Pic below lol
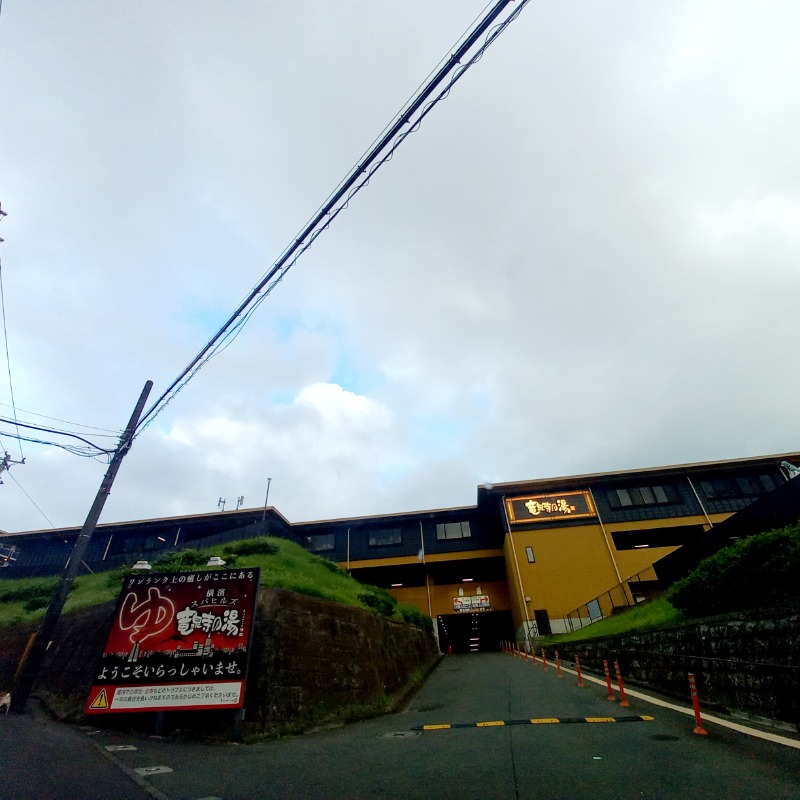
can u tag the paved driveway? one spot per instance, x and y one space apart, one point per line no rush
468 734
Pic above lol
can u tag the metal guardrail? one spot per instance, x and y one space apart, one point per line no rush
623 595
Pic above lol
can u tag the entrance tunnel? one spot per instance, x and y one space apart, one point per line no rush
477 632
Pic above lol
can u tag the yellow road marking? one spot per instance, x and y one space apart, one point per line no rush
531 721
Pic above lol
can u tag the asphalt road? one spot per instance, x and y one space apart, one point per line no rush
45 760
396 757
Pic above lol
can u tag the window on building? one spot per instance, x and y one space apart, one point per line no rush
453 530
635 496
529 554
385 536
734 488
323 541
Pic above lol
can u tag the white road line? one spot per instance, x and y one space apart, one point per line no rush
689 712
132 774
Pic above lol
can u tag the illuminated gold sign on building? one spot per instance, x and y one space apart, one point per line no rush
547 507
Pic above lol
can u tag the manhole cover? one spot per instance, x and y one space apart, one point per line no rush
400 735
144 771
664 737
435 707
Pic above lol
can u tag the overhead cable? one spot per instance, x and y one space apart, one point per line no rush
77 425
469 50
32 500
57 433
5 339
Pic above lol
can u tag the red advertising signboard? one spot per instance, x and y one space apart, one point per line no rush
178 641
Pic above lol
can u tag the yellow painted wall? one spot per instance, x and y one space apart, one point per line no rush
633 562
442 596
517 604
572 565
414 595
431 558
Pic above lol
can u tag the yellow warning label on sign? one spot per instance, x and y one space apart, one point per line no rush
101 701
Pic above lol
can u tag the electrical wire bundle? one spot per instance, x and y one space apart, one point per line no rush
467 51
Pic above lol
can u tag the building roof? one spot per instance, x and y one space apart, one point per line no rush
484 492
675 470
216 516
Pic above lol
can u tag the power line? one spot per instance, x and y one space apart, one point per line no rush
31 499
5 334
409 118
74 433
92 450
88 452
57 433
108 431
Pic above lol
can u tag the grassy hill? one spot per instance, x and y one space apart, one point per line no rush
284 565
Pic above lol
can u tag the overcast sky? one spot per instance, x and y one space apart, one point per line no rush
585 260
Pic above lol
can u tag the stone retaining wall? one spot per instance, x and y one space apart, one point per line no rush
313 656
309 655
747 664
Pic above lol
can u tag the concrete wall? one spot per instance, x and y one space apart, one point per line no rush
747 663
309 655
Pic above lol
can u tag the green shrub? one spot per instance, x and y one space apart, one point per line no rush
115 577
411 615
761 570
35 603
260 545
378 600
30 590
333 567
180 560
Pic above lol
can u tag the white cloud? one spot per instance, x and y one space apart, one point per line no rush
584 260
769 217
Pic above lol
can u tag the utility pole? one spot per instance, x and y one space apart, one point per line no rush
264 515
266 499
29 669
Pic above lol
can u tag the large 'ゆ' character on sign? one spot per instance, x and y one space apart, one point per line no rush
151 615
